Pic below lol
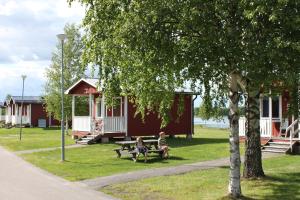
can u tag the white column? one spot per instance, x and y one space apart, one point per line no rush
103 112
73 111
90 111
270 116
280 107
126 115
93 106
293 128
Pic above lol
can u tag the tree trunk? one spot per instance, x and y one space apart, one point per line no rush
253 161
234 187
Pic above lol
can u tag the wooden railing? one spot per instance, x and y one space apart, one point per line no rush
81 123
114 124
7 119
108 124
2 117
265 127
17 119
242 126
292 131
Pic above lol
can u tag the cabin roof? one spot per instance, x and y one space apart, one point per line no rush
91 81
27 99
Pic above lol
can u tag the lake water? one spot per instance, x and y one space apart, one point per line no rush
223 123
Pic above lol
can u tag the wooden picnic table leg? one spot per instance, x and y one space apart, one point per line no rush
134 157
118 152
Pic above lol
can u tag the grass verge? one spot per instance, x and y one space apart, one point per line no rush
100 159
32 138
282 182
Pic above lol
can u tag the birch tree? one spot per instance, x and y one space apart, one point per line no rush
150 48
73 71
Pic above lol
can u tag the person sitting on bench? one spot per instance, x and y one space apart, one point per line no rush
162 144
141 148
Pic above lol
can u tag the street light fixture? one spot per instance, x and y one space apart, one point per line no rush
21 124
62 38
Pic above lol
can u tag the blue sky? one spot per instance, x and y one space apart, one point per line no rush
28 30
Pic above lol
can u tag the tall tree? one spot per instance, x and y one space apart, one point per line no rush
8 96
272 44
73 70
150 48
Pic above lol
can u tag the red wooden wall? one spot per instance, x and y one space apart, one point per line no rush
151 125
37 112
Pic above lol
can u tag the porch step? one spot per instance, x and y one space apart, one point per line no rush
279 143
274 151
277 146
88 139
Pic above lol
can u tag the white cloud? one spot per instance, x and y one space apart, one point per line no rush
7 8
28 31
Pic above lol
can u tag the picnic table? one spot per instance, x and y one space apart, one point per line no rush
130 147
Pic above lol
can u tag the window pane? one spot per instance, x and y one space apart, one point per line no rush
108 111
265 107
82 106
275 107
117 108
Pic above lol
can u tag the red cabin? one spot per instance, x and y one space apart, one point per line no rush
279 130
33 113
120 120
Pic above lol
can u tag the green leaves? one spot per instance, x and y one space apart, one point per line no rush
73 70
150 48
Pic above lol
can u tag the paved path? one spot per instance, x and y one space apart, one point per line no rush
100 182
49 149
21 180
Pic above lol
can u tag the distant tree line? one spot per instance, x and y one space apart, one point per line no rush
217 113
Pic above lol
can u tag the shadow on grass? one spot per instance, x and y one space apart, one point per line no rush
232 198
182 142
283 186
55 128
155 159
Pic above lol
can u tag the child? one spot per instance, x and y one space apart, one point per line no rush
162 144
141 148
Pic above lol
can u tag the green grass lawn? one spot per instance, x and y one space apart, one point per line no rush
32 138
282 182
100 159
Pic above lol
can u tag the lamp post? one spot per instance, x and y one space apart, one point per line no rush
62 38
23 79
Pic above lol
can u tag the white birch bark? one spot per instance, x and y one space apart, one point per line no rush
234 187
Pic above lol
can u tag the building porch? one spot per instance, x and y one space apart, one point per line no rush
99 118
